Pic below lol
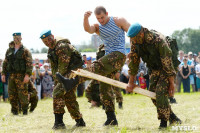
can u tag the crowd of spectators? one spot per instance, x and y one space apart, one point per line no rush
42 78
188 73
188 76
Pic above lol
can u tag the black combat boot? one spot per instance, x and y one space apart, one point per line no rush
32 109
58 122
111 119
172 100
173 119
80 122
14 112
120 105
67 83
25 112
163 124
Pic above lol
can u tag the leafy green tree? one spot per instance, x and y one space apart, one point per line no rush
44 50
188 39
86 47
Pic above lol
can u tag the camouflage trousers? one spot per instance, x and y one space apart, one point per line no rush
106 66
159 84
61 98
117 90
33 95
118 94
92 92
18 92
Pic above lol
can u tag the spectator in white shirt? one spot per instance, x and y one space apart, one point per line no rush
198 73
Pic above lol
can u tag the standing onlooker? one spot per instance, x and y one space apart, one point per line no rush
190 55
142 67
37 62
178 75
198 74
146 76
47 81
185 72
142 81
1 85
195 62
5 87
37 77
84 59
124 77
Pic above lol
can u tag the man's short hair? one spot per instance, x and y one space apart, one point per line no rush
181 51
99 9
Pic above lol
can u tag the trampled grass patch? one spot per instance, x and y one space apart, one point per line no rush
138 115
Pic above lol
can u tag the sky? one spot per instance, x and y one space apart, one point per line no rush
65 17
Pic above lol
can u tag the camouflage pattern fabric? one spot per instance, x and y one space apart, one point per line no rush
118 94
20 62
159 84
18 91
92 92
33 95
106 66
63 59
155 51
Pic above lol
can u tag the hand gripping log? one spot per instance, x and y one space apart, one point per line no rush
115 83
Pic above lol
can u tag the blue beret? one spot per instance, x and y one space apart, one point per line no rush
17 34
89 58
134 29
45 33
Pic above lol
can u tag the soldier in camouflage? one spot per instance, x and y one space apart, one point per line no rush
63 58
18 63
155 50
92 91
111 30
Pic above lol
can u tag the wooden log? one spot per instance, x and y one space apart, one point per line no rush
113 82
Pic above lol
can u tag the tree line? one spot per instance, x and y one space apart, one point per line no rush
188 39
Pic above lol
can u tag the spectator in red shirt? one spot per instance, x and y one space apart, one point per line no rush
142 80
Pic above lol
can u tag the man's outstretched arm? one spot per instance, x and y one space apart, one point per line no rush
87 27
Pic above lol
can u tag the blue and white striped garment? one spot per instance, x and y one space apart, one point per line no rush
112 36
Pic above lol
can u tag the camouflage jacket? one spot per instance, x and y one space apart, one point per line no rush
19 62
155 51
64 57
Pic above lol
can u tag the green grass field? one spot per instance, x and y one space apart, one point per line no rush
138 115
